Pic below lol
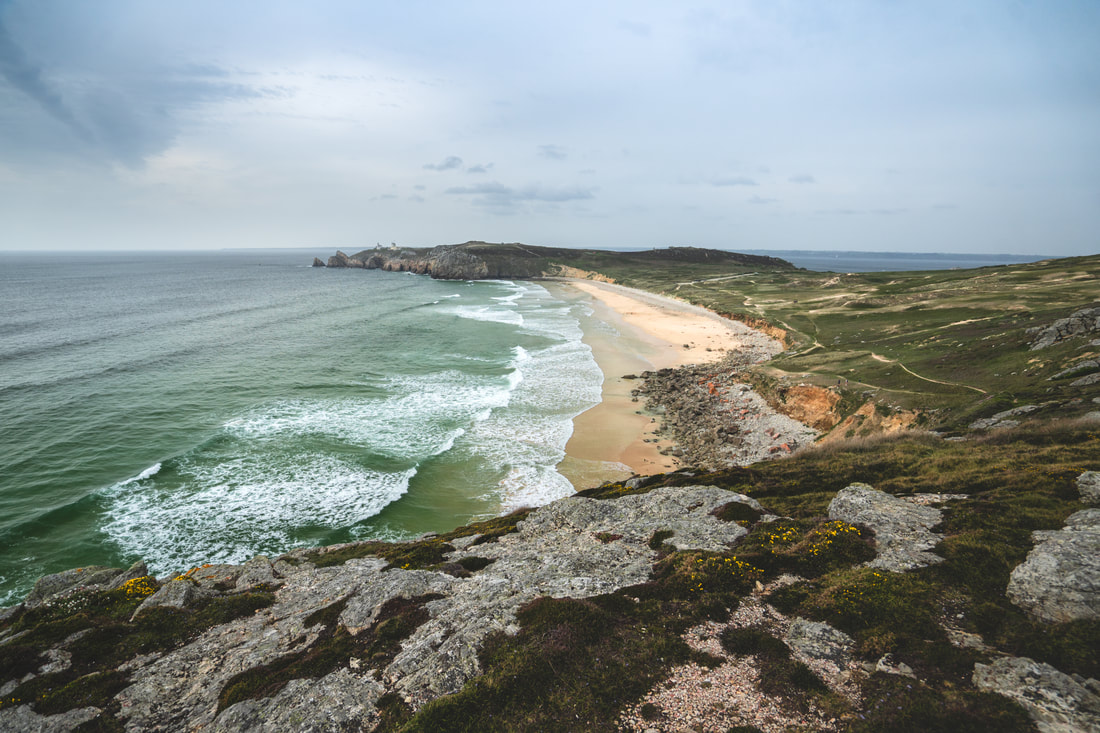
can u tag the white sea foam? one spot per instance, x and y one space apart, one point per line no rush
332 463
558 382
229 510
151 471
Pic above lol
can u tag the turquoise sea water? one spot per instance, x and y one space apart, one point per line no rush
200 407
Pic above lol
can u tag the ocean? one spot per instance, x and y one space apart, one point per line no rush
183 408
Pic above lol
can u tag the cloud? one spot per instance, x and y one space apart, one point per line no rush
504 199
449 163
735 181
27 77
761 200
125 118
802 179
553 152
480 168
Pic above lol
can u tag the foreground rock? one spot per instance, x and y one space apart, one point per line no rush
1088 483
1060 579
903 535
576 547
1057 702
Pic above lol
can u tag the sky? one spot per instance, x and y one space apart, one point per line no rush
910 126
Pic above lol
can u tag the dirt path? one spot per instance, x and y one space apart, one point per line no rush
886 360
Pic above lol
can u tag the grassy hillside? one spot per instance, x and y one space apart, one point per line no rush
952 344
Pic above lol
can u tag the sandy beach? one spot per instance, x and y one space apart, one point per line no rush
629 332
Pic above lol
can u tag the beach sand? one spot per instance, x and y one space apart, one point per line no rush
629 332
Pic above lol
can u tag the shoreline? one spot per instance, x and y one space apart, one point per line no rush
631 331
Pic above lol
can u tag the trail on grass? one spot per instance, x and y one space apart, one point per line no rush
876 357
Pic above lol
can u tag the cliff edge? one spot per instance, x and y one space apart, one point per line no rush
482 260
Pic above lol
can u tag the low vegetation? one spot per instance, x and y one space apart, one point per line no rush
577 664
950 346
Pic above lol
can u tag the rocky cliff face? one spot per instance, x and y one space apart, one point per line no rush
481 260
447 262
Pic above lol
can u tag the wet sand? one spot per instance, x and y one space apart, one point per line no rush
629 332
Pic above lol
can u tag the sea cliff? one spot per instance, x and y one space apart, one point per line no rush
482 260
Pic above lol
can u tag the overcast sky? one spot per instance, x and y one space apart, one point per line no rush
924 126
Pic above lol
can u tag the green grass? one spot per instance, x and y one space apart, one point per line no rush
965 328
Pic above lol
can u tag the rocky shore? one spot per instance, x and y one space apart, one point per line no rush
365 636
716 419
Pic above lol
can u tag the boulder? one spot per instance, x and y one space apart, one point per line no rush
1003 419
903 535
1060 579
1079 323
1088 483
1057 702
819 640
177 594
94 577
318 262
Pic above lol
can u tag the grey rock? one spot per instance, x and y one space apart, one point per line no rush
255 572
180 690
362 608
1086 380
903 535
1057 702
1088 484
6 613
137 570
1079 323
216 578
886 665
1080 366
818 640
555 552
318 262
461 543
22 719
1060 579
50 588
57 660
731 425
173 594
338 702
1003 419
